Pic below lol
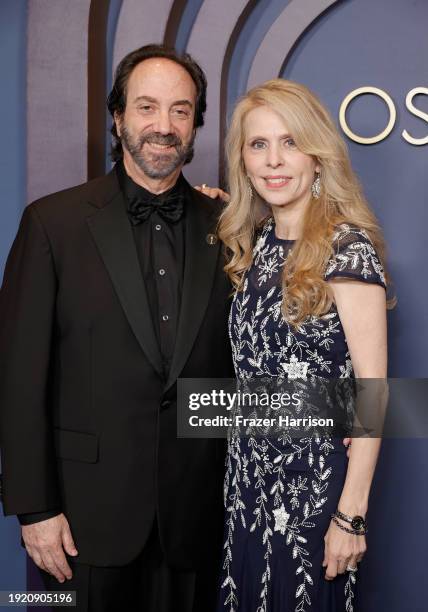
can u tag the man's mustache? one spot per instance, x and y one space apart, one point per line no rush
170 140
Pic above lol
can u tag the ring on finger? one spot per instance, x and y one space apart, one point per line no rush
349 568
204 185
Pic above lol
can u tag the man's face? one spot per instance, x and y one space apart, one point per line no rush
156 129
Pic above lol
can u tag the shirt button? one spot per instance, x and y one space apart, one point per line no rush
158 227
161 271
165 317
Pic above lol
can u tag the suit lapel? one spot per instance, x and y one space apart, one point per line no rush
113 236
199 270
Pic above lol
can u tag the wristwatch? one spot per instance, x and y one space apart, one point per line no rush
357 522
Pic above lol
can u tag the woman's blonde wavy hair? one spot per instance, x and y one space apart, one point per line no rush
305 292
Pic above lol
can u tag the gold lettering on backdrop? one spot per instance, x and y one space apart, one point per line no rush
359 92
418 113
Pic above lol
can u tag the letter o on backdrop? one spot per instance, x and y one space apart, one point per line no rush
359 92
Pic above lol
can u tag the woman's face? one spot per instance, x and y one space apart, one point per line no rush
280 173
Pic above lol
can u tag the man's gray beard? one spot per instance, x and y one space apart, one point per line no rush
148 163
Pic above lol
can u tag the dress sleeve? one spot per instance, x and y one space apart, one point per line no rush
354 257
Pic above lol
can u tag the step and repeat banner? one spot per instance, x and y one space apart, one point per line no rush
368 62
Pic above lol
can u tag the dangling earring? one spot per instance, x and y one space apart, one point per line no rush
316 187
250 190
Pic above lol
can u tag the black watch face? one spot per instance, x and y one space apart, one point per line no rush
358 523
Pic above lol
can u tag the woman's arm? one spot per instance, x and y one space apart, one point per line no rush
362 311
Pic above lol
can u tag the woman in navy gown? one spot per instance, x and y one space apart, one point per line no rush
306 260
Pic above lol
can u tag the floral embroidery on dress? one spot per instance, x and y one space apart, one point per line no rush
281 519
265 496
355 255
295 368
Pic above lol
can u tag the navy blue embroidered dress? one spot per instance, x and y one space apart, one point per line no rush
279 492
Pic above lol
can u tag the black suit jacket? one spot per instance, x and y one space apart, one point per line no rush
87 421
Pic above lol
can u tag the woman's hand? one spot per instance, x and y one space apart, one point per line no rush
341 550
213 192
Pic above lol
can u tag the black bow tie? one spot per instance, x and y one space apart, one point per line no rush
168 206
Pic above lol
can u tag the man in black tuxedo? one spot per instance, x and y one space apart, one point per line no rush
112 290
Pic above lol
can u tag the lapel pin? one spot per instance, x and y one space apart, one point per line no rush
211 239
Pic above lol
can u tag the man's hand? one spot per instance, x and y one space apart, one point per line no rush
213 192
347 443
46 541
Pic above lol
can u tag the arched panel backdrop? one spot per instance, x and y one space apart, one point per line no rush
57 62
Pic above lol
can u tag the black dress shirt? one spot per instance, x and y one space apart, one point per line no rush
160 250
